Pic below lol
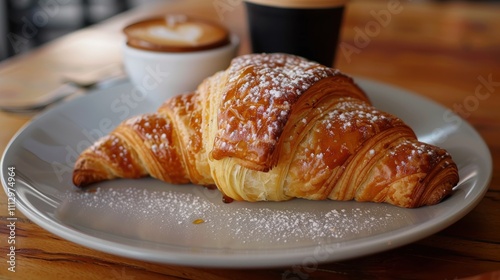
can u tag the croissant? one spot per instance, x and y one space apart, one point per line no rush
273 127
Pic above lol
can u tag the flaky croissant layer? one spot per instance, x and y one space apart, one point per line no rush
275 127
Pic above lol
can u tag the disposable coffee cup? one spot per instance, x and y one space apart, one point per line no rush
308 28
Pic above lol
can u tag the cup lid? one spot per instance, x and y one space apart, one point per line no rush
305 4
176 33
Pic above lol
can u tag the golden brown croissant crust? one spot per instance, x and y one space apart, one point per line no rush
275 127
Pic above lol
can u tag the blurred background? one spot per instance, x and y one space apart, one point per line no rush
25 24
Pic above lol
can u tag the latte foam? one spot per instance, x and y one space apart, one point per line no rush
176 34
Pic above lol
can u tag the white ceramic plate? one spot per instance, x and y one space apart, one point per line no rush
153 221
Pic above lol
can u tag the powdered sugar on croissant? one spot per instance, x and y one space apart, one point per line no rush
276 127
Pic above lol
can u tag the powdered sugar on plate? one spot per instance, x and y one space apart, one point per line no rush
188 215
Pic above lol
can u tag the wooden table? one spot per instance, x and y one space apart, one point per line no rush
440 51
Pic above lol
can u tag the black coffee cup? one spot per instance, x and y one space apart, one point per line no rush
296 27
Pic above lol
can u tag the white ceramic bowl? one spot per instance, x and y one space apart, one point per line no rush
161 75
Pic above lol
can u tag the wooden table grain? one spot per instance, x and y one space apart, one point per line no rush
443 51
